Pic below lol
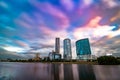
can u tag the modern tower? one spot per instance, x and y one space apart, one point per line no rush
67 49
83 48
57 45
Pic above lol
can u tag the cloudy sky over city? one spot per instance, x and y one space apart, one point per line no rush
31 26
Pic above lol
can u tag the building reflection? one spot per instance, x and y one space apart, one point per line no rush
86 72
71 72
68 75
75 72
55 71
61 72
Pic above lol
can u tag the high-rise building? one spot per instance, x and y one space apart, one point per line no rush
83 48
67 49
57 45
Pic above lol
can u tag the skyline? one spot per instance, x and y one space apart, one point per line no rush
31 26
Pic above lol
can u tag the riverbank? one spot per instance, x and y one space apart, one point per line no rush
77 62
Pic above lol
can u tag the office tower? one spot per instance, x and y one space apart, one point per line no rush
67 49
83 48
57 45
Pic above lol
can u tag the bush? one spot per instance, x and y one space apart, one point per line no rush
107 60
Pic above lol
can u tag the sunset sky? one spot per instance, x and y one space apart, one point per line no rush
31 26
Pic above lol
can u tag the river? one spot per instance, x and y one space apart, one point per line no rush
57 71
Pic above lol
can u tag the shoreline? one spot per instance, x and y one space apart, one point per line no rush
79 62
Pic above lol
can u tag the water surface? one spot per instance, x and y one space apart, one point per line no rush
48 71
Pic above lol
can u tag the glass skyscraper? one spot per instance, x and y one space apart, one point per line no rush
83 48
67 49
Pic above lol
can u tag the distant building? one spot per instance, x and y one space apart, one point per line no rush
57 45
116 54
36 58
93 57
54 56
67 49
83 49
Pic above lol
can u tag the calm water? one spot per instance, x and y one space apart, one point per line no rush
45 71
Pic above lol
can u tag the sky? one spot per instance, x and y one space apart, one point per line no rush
28 27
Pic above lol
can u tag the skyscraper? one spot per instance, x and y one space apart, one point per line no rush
57 45
67 49
83 48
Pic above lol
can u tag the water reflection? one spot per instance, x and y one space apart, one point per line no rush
107 72
45 71
68 74
55 71
75 72
86 72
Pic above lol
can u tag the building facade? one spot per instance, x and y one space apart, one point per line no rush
67 49
57 45
83 49
54 56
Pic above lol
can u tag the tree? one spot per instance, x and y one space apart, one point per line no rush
107 60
